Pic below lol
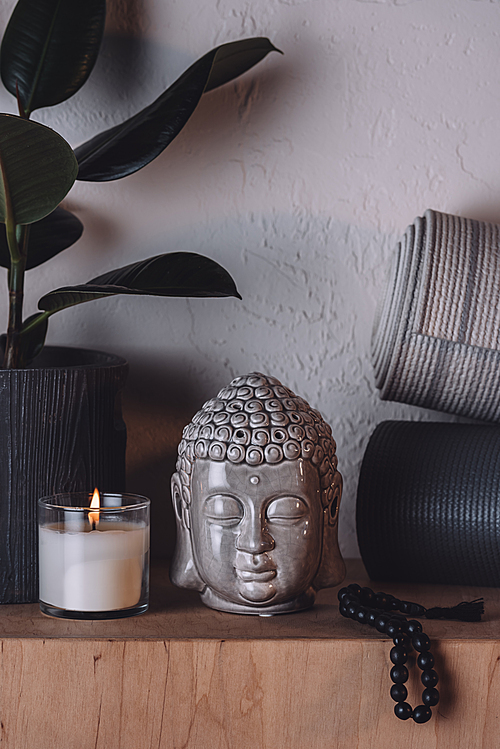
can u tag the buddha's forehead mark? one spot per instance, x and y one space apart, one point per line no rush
254 480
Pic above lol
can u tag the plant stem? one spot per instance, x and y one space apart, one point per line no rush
34 323
16 293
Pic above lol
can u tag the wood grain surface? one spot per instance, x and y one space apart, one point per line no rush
301 681
178 614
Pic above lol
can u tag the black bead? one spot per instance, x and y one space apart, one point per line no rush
421 714
343 611
412 627
342 592
398 655
392 602
412 609
367 596
348 600
399 674
352 609
355 588
396 615
393 627
403 710
381 622
362 614
403 640
380 601
430 696
425 661
420 642
372 617
429 678
399 692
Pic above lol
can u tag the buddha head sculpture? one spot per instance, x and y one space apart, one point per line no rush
256 497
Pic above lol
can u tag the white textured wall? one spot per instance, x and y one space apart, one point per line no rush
298 178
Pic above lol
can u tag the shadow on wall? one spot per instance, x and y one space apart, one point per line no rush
158 401
308 285
481 211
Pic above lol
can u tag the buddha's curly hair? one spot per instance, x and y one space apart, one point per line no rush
257 420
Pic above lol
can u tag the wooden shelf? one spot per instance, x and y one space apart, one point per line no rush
182 675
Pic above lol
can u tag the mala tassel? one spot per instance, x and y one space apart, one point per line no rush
467 611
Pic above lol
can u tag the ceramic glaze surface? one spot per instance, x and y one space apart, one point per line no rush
257 504
257 531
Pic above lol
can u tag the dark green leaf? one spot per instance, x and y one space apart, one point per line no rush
37 168
32 337
236 58
178 274
48 237
49 49
128 147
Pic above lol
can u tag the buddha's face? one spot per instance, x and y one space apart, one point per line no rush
256 531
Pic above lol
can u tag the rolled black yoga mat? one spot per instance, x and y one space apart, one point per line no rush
428 505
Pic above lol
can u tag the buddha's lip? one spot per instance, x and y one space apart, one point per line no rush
255 576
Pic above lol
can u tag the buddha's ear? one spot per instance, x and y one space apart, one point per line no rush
183 572
180 505
332 567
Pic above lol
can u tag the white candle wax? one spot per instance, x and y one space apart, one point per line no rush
92 570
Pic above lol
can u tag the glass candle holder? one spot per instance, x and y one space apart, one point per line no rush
93 560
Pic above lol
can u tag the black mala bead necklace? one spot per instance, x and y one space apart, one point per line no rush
380 610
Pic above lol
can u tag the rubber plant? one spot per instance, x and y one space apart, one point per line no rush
48 52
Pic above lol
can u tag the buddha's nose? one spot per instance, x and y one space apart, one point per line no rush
254 537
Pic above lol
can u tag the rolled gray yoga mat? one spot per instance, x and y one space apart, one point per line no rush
436 338
428 505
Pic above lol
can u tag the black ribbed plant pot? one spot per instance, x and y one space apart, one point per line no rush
61 430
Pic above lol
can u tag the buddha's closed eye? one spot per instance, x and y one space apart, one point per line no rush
226 510
223 510
286 510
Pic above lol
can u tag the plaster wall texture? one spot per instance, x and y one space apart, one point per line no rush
299 178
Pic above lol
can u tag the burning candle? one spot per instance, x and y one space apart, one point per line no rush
93 555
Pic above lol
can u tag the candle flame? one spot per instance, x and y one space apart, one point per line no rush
95 504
